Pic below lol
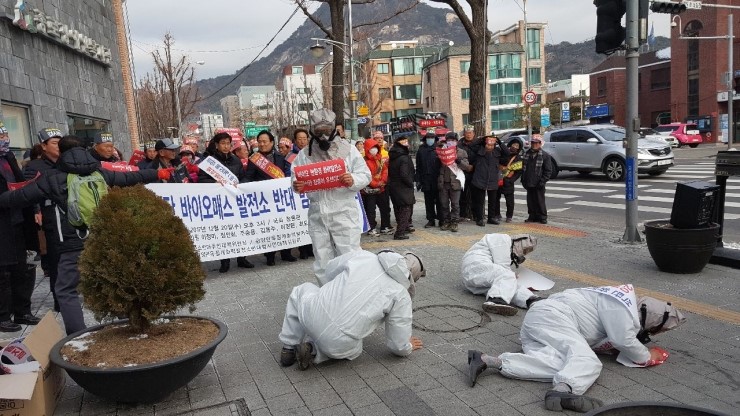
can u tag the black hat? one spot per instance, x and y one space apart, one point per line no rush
165 144
451 135
48 133
103 138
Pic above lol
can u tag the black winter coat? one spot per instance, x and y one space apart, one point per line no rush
53 186
427 168
254 174
485 174
8 248
400 176
514 172
42 165
536 169
230 161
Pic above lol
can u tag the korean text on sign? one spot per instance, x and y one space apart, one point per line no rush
321 175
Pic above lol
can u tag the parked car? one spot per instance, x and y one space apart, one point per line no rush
682 132
600 148
648 133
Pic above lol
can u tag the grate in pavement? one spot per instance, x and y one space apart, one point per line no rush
231 408
448 318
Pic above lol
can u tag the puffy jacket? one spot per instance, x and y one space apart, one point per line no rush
42 165
378 165
53 186
447 176
401 176
485 174
255 174
427 168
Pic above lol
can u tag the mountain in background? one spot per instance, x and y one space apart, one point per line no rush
429 25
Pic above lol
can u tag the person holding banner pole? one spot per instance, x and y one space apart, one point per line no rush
333 215
300 141
264 165
220 149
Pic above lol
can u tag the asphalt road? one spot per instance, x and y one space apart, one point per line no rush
594 200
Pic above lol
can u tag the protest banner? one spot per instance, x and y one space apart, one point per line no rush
137 157
447 155
218 171
119 167
321 176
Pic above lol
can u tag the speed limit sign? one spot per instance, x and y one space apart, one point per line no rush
530 97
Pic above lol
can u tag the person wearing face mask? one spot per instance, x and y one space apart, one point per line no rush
450 183
401 186
374 195
363 291
427 171
333 215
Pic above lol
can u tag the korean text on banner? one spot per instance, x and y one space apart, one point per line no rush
322 175
218 171
447 155
136 157
119 167
261 217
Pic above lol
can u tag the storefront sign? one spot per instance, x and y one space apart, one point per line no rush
435 122
321 176
35 21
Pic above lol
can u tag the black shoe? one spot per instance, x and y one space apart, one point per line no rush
289 258
411 229
559 400
303 355
26 319
271 262
480 223
9 326
430 224
243 262
530 220
287 357
453 227
499 307
303 256
400 237
494 221
532 300
225 264
475 366
543 221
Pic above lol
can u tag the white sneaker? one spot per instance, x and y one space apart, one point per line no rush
373 233
387 230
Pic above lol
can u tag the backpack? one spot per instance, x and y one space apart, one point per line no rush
83 196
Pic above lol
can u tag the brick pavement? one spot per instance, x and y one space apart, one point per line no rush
244 376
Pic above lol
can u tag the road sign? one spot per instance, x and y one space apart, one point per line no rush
692 5
565 115
545 117
252 131
361 120
530 97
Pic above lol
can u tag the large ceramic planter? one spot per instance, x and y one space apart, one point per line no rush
652 409
680 250
146 383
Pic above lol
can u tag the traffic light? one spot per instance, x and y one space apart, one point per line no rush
667 7
609 30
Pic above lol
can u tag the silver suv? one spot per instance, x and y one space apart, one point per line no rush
600 148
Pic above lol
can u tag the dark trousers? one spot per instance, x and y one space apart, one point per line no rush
536 203
52 259
381 200
16 281
284 253
306 251
479 199
403 217
509 197
466 198
449 199
66 290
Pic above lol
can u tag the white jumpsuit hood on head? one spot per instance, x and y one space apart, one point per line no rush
396 267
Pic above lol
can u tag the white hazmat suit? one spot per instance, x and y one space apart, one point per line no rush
333 215
362 291
486 268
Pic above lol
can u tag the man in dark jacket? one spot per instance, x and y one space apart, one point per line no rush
427 172
266 144
536 171
103 149
150 153
466 196
166 154
511 170
488 153
19 234
74 159
401 186
49 139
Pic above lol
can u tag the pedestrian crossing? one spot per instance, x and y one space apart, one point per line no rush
655 194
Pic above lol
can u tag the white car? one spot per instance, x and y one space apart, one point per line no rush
648 133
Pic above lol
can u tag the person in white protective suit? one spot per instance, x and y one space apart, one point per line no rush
561 335
333 215
363 290
487 268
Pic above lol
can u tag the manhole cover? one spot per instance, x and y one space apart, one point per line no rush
236 407
448 318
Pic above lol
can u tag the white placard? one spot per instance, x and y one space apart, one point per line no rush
218 171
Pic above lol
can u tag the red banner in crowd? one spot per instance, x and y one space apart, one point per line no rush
266 166
291 157
434 122
12 186
321 175
137 157
447 155
119 167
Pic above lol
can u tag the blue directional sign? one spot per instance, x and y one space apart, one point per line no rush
565 115
545 117
599 110
630 190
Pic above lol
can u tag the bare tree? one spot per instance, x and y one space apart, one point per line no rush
480 37
334 31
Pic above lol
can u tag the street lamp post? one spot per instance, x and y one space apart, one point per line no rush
526 69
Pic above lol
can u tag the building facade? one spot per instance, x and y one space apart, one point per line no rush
209 123
230 110
299 93
257 103
60 67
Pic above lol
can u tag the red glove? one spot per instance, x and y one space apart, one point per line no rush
192 168
165 174
657 356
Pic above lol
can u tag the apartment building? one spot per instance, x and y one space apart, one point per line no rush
299 92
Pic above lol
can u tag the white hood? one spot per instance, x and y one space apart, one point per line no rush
396 267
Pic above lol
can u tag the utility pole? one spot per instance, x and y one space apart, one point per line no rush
526 70
631 234
353 81
730 90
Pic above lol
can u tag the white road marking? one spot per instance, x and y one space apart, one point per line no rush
574 189
642 208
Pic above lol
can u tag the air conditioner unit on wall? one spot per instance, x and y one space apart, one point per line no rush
412 101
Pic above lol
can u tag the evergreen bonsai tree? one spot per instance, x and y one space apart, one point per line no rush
139 260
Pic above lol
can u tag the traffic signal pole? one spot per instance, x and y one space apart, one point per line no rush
632 44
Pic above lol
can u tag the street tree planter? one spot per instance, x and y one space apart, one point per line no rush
652 409
147 383
680 250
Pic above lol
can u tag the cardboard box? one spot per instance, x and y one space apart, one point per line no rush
36 393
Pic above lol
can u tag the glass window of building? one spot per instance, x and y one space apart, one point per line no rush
692 99
506 93
601 87
385 116
297 70
502 119
16 120
533 43
406 92
86 127
382 68
466 119
465 93
660 78
319 68
504 66
534 76
401 113
408 66
464 67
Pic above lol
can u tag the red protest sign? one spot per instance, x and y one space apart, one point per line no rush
12 186
447 155
321 175
119 167
137 157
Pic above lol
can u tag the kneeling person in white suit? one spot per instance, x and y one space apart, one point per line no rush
486 268
561 335
363 290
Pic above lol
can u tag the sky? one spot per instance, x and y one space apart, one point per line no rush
227 34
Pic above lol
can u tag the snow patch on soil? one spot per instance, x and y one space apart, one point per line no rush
79 343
